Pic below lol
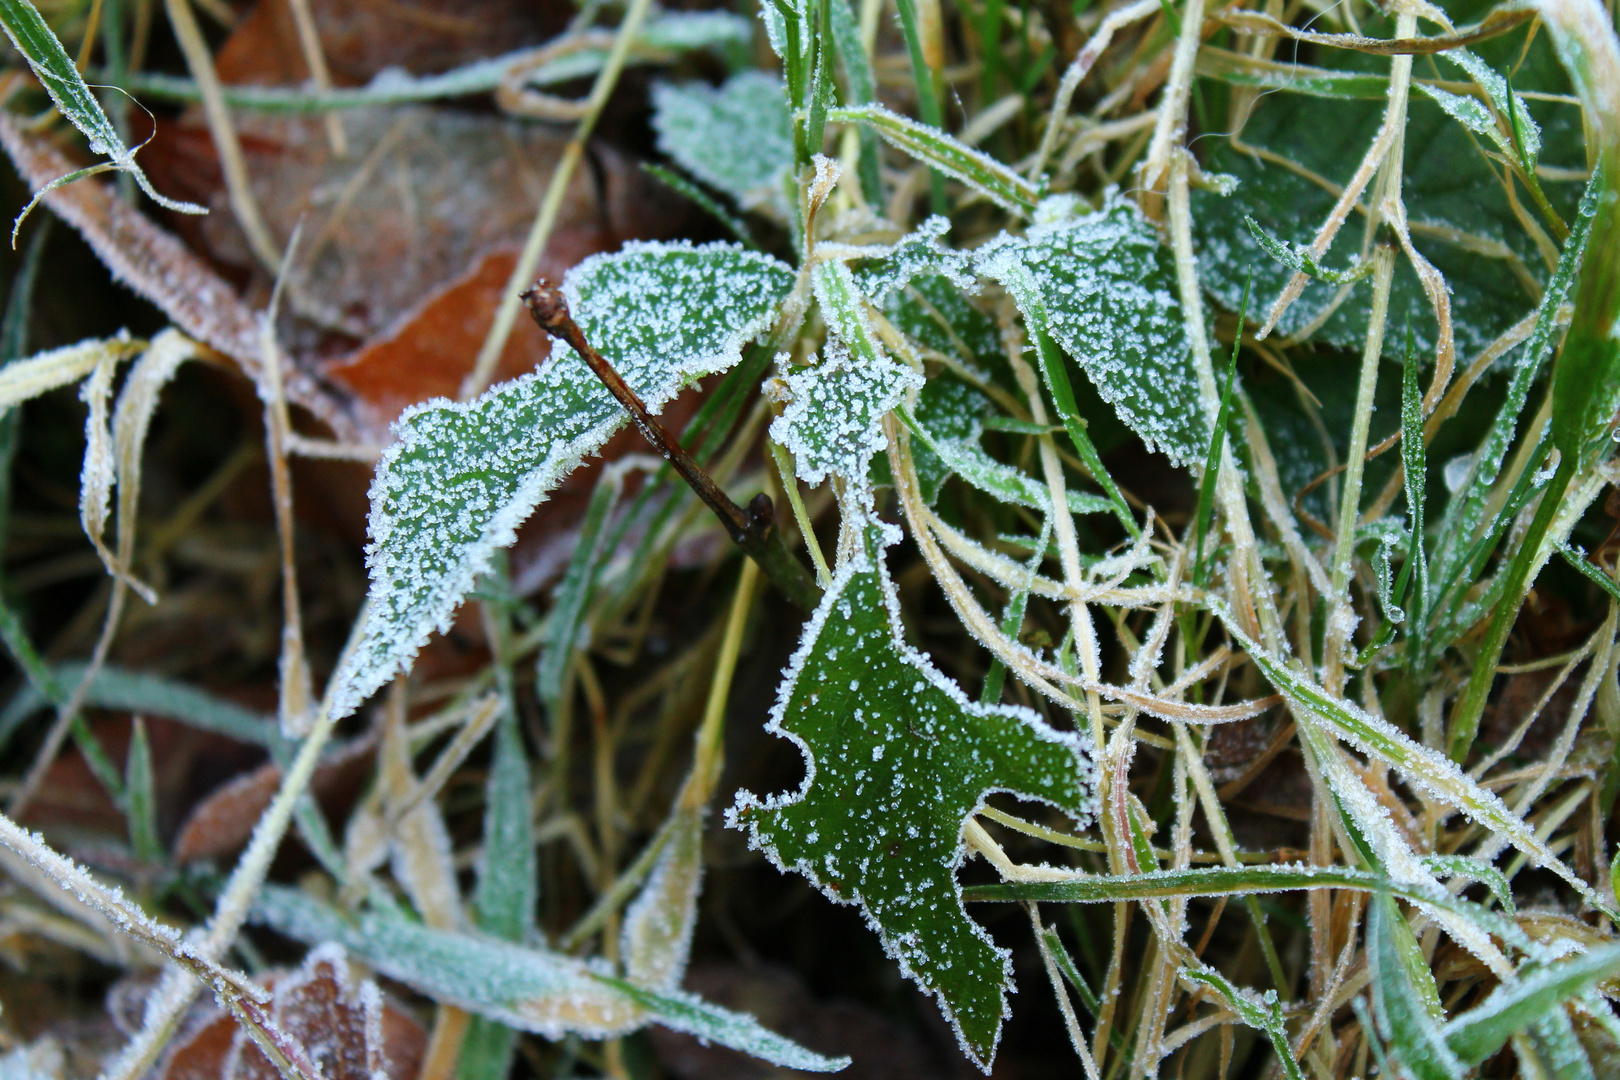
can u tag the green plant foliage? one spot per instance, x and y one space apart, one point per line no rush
896 758
463 476
1466 225
747 115
1103 287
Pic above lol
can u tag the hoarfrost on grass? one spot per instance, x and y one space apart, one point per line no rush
463 477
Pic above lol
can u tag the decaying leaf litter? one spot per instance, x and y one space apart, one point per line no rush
1154 425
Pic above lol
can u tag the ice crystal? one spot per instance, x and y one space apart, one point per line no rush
918 254
896 758
833 421
463 477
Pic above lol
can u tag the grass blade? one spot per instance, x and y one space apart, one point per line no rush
62 81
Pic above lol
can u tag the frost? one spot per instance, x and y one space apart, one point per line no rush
892 770
833 421
1106 288
917 254
463 477
737 138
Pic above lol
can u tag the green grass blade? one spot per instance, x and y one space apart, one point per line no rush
930 145
142 692
1577 558
507 888
1481 1031
1406 1003
141 810
860 88
1212 460
568 612
928 88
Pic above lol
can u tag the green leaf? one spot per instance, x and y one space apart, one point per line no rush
896 758
61 80
977 170
918 254
1513 1006
141 799
1264 1015
833 422
529 989
736 138
1448 184
565 626
508 888
463 477
1297 257
142 692
1236 881
1406 1003
1577 558
1104 289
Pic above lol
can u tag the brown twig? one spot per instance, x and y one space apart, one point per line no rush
752 529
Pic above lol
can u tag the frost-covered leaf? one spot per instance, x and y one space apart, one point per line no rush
896 758
935 314
530 989
949 410
1463 220
462 477
736 138
657 938
1103 288
1481 1031
833 420
918 254
963 456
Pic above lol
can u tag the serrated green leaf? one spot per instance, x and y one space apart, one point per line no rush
736 137
530 989
61 79
1103 287
1406 1004
462 477
918 254
896 758
833 420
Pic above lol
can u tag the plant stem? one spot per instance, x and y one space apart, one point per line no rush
752 529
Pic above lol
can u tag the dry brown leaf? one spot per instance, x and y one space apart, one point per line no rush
155 264
349 1030
222 822
362 37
